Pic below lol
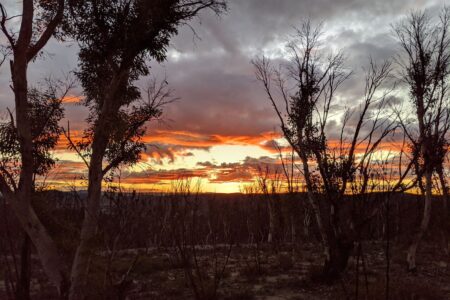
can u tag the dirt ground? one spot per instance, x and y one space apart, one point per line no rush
264 273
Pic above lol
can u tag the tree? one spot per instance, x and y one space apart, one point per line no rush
117 40
39 21
269 184
425 65
45 113
304 119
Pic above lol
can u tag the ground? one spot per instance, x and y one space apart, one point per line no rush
283 273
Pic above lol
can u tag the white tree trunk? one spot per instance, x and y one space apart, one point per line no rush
412 251
51 261
80 265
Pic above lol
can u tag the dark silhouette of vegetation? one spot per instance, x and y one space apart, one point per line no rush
425 68
117 39
45 112
25 46
304 117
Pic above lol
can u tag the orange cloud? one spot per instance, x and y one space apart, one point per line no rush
196 140
176 143
72 99
153 177
75 135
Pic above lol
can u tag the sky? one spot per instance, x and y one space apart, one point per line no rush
223 126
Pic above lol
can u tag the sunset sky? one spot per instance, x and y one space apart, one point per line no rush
223 127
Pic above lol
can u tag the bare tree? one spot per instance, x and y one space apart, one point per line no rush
314 79
425 64
269 184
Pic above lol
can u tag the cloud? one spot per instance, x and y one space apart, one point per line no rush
160 176
244 171
193 140
158 152
72 99
221 103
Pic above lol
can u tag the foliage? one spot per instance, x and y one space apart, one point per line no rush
117 41
45 112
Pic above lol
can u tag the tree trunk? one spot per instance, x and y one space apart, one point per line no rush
306 223
411 255
24 50
444 214
109 110
339 246
271 237
46 249
21 201
80 266
23 286
314 204
293 230
339 250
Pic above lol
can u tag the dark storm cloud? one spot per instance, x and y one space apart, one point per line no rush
215 79
212 74
157 152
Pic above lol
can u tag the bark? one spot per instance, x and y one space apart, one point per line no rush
46 249
444 215
314 205
340 245
293 230
445 192
23 286
270 236
21 202
411 254
340 249
20 199
306 223
80 265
